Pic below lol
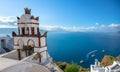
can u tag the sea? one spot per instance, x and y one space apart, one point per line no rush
80 47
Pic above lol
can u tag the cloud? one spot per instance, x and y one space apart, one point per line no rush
97 24
10 22
49 27
114 26
63 28
102 26
7 19
80 28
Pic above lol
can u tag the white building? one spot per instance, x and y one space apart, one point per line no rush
29 39
115 67
6 44
97 67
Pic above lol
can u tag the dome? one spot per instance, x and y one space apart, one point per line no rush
25 18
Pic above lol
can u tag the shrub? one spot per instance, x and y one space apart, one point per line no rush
107 60
73 67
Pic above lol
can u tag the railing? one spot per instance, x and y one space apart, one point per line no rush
11 55
29 57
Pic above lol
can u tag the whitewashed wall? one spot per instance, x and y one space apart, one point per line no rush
26 18
40 49
43 41
25 40
43 56
28 26
6 38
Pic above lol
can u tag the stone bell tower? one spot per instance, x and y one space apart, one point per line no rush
29 40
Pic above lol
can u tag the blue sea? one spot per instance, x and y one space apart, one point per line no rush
77 46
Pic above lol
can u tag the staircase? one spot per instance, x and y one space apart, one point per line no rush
6 49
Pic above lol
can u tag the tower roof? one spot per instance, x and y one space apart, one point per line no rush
27 16
27 11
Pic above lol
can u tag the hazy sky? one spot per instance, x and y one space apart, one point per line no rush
68 13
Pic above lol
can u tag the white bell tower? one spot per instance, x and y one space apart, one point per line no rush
29 39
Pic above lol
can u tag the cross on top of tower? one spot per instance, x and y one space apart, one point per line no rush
27 11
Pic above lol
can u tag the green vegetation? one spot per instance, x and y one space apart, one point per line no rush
73 67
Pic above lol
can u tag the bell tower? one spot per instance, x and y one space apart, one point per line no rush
28 24
29 39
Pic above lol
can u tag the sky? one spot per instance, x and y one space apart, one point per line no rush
68 15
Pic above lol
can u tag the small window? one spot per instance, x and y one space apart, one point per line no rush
32 30
23 31
3 44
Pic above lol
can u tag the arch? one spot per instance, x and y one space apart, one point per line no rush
31 43
20 43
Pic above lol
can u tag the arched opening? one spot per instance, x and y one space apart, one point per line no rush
20 43
30 47
30 43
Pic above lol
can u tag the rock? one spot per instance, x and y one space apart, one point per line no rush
107 60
